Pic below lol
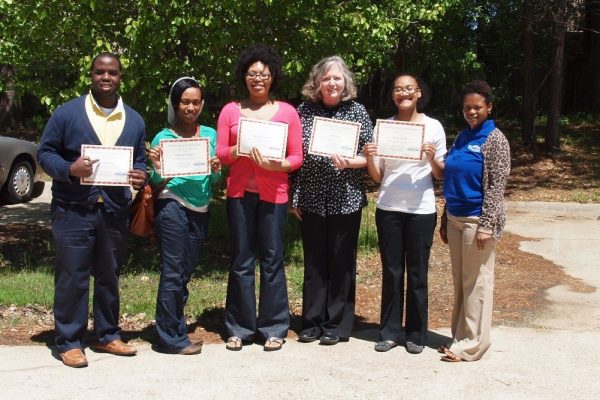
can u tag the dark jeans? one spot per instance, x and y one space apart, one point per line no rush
405 244
89 242
328 298
181 233
256 230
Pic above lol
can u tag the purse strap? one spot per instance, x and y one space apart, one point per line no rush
160 187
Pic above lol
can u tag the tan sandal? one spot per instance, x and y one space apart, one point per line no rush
234 343
273 344
443 349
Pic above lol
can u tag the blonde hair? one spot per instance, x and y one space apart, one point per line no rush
311 88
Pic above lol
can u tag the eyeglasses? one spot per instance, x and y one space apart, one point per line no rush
406 89
263 76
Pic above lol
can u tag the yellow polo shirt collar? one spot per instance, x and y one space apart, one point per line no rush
108 128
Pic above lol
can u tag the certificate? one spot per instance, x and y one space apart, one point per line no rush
332 136
270 138
184 157
399 139
112 167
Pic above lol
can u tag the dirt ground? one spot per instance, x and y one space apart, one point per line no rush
520 278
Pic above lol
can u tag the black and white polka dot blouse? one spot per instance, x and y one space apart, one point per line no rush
318 187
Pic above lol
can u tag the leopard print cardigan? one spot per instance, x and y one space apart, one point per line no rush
496 168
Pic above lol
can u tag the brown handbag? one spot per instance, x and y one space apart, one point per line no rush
142 210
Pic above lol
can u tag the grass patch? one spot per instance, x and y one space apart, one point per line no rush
367 237
585 196
27 287
27 270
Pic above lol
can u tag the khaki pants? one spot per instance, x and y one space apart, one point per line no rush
473 277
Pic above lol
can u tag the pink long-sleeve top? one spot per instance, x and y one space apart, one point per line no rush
272 186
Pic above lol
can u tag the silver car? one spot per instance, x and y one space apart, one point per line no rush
20 174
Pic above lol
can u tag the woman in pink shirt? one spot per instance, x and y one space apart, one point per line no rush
257 195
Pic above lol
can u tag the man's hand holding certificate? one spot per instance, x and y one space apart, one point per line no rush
399 139
270 138
184 157
334 137
111 165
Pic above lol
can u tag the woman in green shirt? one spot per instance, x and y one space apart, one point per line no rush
181 217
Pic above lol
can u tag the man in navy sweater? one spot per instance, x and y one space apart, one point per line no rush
89 222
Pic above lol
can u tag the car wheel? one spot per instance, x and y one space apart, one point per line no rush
38 189
19 184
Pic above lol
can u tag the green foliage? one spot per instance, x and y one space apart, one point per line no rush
447 42
50 42
581 120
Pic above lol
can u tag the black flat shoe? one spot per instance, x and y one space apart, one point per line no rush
385 345
413 348
307 338
329 339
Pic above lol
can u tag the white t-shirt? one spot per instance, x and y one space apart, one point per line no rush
407 185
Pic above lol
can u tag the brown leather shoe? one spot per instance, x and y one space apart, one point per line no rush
194 348
74 358
199 342
116 347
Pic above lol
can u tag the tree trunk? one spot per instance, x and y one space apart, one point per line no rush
552 140
528 112
592 23
399 53
8 107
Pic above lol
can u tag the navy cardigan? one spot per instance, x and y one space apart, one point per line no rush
69 128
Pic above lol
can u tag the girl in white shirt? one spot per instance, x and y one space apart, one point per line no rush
406 219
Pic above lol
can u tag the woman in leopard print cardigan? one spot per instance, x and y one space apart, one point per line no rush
477 167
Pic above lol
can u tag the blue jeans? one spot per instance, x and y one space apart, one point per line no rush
181 233
256 227
88 241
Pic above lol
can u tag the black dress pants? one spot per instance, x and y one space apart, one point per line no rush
405 244
328 299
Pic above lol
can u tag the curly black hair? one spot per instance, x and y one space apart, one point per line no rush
263 53
425 91
479 87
